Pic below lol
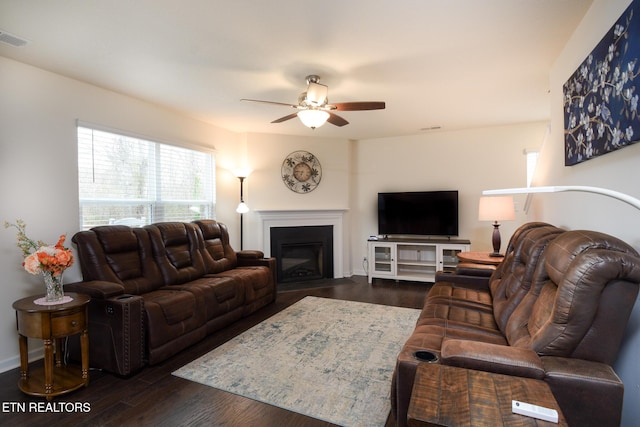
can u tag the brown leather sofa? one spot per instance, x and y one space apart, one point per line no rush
555 309
158 289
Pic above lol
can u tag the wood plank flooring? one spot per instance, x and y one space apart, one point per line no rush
153 397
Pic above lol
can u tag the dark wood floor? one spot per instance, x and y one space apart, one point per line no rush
153 397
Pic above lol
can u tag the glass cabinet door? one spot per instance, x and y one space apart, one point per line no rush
449 257
382 259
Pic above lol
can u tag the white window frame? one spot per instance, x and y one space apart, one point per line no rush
154 204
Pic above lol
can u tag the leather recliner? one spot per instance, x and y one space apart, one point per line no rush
555 310
180 285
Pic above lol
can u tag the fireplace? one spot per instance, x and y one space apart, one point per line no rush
300 218
302 252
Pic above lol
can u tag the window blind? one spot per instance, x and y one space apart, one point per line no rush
133 181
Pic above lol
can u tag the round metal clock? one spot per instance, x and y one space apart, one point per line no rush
301 171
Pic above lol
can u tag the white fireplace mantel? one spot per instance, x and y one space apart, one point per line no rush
302 218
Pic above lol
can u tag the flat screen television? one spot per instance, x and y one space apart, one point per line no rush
423 213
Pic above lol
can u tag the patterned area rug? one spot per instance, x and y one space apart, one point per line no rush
325 358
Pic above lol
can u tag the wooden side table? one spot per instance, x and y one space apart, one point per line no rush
479 258
51 323
449 396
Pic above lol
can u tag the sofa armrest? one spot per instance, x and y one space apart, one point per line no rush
500 359
250 254
473 269
96 289
251 258
247 261
589 393
463 280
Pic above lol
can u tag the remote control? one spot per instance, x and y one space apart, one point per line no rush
534 411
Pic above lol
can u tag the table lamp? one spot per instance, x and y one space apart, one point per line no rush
496 208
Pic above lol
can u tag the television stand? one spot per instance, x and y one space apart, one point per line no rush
413 259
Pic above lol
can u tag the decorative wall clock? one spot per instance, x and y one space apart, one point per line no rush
301 171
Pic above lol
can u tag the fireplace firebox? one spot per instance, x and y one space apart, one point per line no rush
302 253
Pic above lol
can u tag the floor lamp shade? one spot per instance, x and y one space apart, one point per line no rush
496 208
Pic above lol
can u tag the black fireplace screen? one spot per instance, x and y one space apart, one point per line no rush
303 253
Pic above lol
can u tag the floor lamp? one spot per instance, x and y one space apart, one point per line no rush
242 209
496 208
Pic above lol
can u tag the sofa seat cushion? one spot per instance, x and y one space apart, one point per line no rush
171 313
431 338
462 331
453 294
465 318
221 294
256 279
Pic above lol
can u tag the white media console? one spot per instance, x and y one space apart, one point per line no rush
413 259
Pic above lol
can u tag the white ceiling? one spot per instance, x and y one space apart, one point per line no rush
449 63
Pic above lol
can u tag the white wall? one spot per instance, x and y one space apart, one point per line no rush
265 189
38 167
619 171
466 160
355 171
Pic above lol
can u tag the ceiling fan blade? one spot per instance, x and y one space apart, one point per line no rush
335 119
269 102
285 118
359 106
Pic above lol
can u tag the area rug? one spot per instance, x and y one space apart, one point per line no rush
325 358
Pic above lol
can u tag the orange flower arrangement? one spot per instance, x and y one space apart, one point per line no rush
40 257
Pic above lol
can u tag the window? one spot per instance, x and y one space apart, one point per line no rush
132 181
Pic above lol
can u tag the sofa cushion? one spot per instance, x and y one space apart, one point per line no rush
172 313
461 307
458 317
257 282
221 294
176 249
503 281
217 253
118 254
511 284
593 283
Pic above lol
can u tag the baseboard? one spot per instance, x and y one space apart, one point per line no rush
14 362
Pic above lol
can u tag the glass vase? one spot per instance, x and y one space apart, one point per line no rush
53 284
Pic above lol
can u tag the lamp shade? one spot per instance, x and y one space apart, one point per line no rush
496 208
242 208
313 118
242 172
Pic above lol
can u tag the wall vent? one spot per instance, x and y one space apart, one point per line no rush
12 40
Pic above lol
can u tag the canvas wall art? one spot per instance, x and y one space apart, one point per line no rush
601 97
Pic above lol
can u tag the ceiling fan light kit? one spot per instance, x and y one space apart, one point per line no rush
313 118
314 108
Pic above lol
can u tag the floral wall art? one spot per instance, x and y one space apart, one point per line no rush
601 97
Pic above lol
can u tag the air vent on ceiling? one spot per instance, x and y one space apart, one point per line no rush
12 40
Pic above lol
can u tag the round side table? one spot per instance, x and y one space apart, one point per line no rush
52 323
479 258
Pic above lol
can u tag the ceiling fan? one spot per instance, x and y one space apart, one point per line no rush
314 108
